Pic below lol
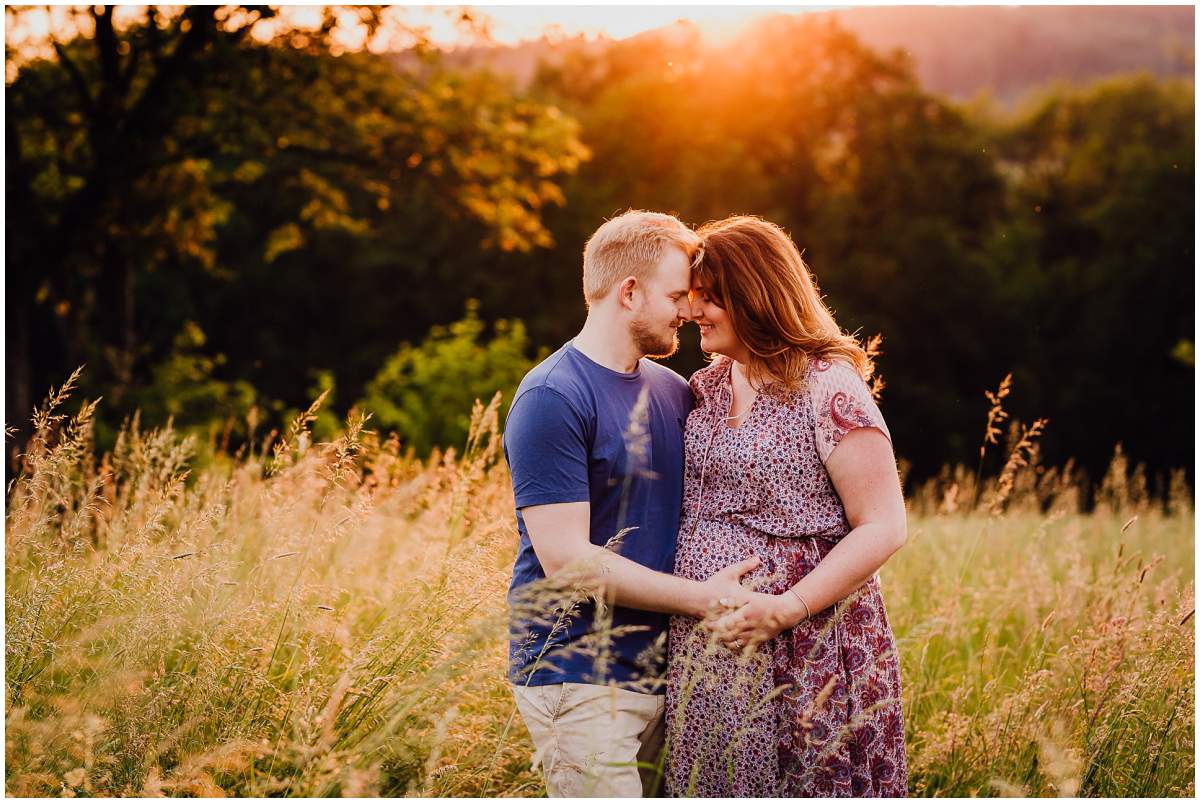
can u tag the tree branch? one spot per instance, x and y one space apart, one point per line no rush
106 46
201 26
130 70
85 97
153 34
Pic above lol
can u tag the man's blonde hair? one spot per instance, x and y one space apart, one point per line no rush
631 244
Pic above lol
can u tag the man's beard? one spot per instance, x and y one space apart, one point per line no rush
652 344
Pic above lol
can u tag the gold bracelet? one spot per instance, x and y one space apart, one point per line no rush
807 612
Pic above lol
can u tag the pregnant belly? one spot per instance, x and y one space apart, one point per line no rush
716 544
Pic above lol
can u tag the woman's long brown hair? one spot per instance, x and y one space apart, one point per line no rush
753 270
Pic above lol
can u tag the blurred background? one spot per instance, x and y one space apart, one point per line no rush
225 211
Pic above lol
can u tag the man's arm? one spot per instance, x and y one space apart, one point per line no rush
547 450
559 534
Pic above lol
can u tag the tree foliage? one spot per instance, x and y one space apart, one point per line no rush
153 167
424 393
1056 243
307 210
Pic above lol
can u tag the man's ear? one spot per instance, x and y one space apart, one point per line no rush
625 291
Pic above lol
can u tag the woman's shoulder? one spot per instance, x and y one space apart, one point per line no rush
840 400
832 369
707 380
827 377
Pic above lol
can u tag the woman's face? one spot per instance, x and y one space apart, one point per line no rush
716 330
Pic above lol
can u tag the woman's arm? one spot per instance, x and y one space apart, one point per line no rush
863 471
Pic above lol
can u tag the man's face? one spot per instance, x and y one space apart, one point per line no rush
663 305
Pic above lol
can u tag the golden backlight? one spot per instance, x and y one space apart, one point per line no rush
26 32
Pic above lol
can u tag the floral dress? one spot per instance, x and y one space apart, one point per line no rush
816 711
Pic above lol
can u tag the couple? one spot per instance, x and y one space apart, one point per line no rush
697 561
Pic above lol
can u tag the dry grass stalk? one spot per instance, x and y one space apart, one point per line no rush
154 645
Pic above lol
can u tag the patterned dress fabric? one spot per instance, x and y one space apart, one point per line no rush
816 711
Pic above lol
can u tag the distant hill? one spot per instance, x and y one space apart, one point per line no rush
1009 50
961 51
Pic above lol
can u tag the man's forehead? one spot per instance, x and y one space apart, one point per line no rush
675 266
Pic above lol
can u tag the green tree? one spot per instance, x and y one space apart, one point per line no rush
1095 273
154 166
183 386
425 392
1056 245
889 192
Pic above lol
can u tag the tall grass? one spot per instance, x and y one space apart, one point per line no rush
318 619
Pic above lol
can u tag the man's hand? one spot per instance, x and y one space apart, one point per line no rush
724 590
761 618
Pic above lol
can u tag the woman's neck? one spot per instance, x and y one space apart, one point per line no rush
755 379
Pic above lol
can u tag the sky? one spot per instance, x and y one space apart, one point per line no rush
507 24
511 24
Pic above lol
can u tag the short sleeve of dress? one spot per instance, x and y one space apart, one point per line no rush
841 402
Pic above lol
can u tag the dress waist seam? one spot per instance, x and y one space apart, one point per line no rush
693 521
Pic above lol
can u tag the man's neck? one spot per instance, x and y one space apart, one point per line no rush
608 344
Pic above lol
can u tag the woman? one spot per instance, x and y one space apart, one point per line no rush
796 693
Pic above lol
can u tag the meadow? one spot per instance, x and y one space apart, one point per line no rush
309 618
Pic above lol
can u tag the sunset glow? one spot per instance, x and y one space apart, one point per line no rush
512 24
441 25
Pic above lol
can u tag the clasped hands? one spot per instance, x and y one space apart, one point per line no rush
741 618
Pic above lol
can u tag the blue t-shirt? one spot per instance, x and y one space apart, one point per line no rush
572 436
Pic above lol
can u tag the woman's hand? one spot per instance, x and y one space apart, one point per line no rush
762 618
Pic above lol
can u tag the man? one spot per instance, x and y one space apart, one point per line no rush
594 442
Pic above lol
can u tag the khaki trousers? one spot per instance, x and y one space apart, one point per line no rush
590 739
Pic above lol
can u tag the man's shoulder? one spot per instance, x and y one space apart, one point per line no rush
663 374
667 382
554 376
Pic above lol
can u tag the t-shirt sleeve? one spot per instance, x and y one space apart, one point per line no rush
545 443
841 402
